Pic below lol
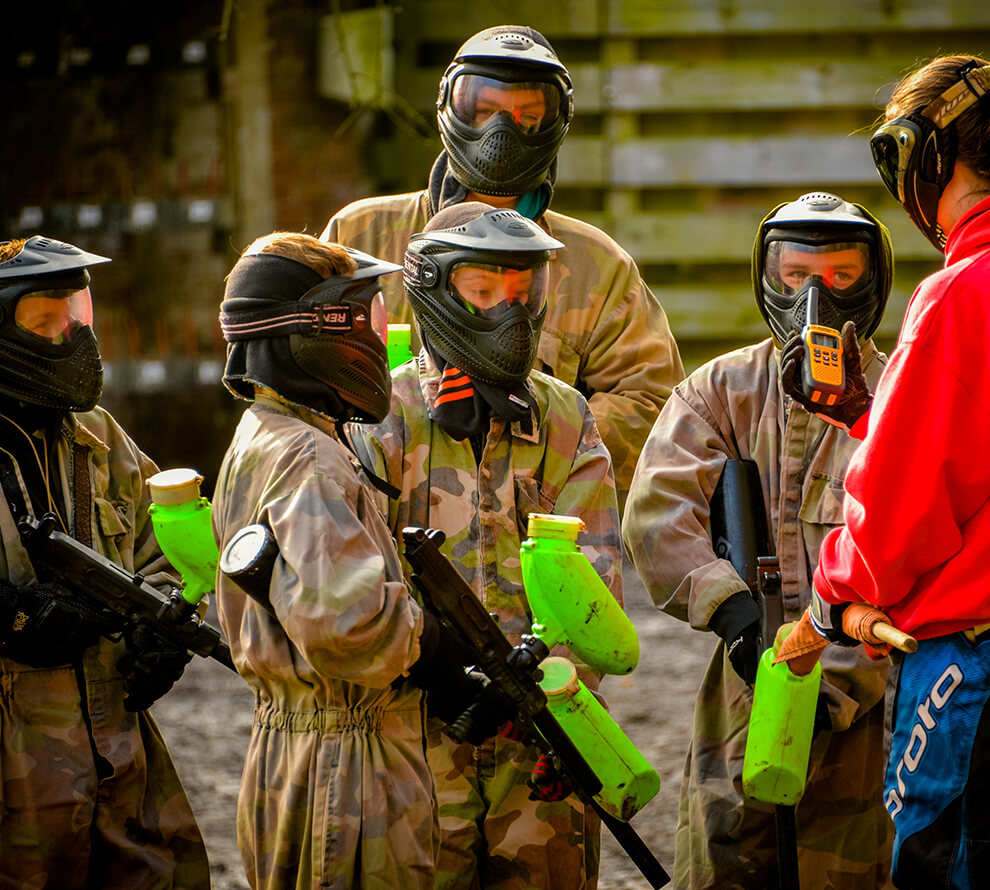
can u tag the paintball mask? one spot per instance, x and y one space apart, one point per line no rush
504 106
48 349
915 155
319 343
824 242
477 280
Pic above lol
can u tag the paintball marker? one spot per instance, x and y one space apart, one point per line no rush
128 597
517 673
780 724
740 534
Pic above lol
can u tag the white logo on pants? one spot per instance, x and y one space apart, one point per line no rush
917 743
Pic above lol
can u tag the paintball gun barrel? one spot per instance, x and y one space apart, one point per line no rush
741 534
515 672
127 596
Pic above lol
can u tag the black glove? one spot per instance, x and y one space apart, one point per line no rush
45 625
150 666
854 401
454 694
826 619
546 783
737 621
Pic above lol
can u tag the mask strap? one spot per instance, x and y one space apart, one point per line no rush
390 491
973 85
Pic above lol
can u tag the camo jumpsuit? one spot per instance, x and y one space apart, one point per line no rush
336 791
89 796
492 835
733 407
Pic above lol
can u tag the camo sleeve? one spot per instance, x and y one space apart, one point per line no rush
630 367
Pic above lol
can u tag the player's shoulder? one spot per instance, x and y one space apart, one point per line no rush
573 231
391 206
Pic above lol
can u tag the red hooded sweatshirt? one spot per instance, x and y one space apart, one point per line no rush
917 537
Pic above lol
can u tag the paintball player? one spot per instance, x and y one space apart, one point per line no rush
734 408
336 790
503 109
475 442
917 508
89 796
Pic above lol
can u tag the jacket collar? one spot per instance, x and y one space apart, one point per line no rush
429 384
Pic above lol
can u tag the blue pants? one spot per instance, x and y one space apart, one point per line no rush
938 772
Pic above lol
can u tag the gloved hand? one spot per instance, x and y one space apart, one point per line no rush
826 619
737 621
546 783
514 732
854 401
43 624
452 692
150 666
488 716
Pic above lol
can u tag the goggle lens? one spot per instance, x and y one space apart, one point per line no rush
842 267
379 317
490 290
893 146
55 315
886 158
533 106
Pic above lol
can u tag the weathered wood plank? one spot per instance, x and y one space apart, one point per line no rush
745 84
446 20
727 161
727 84
727 236
649 17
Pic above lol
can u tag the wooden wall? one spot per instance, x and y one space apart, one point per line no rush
693 119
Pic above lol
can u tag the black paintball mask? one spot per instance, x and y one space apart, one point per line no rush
477 280
915 155
504 106
825 243
48 350
316 342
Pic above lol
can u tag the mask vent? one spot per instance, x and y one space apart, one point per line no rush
498 152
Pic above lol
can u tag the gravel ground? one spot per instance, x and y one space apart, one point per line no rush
206 720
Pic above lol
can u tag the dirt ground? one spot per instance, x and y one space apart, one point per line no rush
206 720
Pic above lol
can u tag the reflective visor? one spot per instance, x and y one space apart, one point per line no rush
379 317
843 267
55 315
491 290
892 146
534 106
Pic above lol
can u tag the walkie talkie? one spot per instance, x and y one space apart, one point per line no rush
823 377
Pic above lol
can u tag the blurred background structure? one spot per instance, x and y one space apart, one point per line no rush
168 136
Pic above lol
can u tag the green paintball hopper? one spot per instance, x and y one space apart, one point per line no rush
181 519
399 345
628 780
569 602
781 727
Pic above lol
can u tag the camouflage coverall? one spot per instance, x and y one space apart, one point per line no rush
492 835
733 407
604 332
89 796
336 790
